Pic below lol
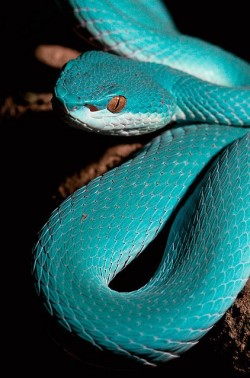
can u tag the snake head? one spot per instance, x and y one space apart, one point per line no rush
108 94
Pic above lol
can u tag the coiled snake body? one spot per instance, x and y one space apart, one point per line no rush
192 178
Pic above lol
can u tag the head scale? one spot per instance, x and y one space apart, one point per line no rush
108 94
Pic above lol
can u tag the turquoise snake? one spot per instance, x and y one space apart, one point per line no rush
196 171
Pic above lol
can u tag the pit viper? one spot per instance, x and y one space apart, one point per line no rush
189 182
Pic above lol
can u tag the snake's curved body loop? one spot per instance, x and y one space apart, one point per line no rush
192 179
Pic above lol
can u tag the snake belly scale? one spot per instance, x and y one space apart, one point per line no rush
192 178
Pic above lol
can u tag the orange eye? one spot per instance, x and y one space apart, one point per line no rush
116 104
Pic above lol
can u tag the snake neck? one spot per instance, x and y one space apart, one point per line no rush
200 101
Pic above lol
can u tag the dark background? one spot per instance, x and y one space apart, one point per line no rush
38 152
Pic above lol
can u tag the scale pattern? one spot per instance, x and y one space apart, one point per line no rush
192 179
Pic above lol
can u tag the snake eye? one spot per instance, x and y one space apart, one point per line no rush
116 104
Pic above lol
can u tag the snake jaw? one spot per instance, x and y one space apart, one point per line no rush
124 123
89 117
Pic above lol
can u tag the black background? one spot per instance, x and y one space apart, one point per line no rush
38 152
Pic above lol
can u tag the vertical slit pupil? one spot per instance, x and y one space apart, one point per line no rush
118 102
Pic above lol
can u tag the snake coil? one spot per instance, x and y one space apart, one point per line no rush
192 180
